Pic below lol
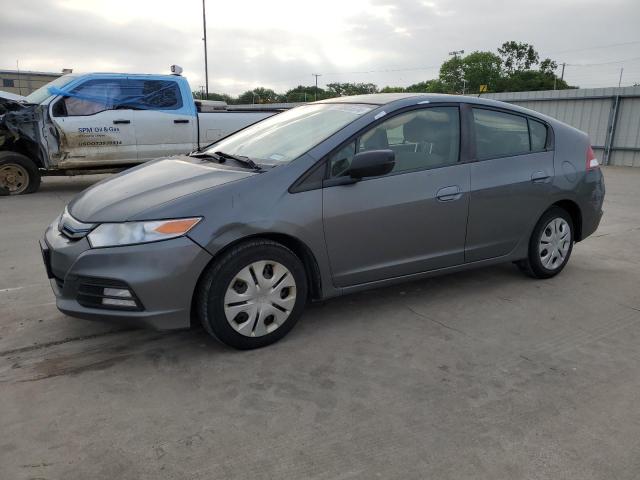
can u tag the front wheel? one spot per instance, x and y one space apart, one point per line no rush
550 245
253 295
18 174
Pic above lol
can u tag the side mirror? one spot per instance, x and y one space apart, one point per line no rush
372 163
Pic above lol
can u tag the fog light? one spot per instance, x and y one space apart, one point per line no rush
117 302
117 292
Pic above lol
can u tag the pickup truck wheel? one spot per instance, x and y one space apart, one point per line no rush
18 174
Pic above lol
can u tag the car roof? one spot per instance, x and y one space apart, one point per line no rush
381 99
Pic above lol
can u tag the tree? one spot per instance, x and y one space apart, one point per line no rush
428 86
343 89
517 56
452 75
548 66
482 68
259 95
304 93
531 80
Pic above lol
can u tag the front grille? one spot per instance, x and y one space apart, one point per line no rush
72 228
91 294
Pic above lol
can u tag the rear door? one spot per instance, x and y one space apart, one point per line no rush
408 221
95 128
510 181
165 123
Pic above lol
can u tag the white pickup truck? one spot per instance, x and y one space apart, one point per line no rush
101 122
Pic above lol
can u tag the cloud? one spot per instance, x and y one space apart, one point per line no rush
279 44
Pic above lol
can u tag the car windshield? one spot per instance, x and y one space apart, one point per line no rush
41 94
286 136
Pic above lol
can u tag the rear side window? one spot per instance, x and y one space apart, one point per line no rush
500 134
538 131
153 95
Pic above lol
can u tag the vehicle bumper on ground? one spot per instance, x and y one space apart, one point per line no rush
161 278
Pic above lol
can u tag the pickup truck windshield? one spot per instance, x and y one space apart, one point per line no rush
41 94
286 136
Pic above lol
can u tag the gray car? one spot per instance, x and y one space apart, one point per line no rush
322 200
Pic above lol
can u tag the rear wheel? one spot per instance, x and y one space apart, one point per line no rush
253 295
550 245
18 174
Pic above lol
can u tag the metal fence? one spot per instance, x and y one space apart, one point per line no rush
611 117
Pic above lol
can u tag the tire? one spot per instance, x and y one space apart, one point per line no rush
236 296
556 227
19 175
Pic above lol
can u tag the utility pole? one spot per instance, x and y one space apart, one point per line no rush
204 39
19 84
315 96
620 81
455 55
562 74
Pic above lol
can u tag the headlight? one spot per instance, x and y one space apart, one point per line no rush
128 233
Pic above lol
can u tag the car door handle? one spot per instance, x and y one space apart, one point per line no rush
539 177
447 194
181 120
120 122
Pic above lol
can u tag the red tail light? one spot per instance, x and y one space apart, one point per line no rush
592 161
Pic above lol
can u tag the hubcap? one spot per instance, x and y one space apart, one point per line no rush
14 178
260 298
554 243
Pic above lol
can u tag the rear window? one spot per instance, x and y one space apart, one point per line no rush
538 131
500 134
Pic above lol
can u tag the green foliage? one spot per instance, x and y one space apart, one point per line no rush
344 89
259 95
530 80
304 93
517 56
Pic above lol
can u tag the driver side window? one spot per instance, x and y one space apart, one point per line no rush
420 139
91 97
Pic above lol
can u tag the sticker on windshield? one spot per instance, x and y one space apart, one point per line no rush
380 115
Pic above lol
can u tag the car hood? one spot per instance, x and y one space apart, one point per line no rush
126 195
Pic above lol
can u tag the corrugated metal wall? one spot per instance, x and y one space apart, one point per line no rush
611 117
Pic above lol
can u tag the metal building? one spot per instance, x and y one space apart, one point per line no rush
611 117
23 82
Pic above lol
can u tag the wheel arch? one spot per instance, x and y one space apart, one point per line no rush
573 209
297 246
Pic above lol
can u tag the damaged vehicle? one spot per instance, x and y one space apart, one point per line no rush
105 122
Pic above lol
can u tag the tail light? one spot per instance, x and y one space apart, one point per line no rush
592 161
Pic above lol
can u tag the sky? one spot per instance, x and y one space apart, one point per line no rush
279 44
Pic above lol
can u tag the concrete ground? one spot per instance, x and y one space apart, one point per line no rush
483 375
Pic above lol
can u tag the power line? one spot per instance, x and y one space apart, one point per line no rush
596 47
603 63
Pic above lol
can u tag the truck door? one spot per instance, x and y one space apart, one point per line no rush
166 123
95 127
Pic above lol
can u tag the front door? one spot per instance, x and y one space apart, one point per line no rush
94 129
410 220
510 182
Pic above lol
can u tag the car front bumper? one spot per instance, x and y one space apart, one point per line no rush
162 276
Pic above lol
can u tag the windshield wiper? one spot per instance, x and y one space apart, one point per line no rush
241 159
